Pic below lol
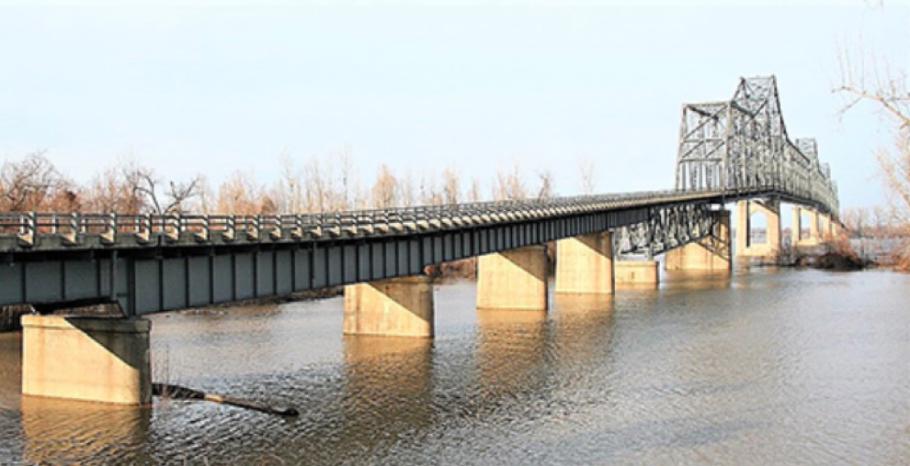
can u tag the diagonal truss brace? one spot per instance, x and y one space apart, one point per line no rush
667 228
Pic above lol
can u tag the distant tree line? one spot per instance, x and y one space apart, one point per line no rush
314 185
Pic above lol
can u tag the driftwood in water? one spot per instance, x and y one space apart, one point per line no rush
184 393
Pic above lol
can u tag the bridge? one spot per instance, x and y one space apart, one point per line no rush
736 150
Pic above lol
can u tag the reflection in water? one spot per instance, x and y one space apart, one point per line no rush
387 383
10 370
682 280
768 366
64 431
624 286
511 345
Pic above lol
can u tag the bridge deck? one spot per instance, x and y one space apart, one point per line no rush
176 265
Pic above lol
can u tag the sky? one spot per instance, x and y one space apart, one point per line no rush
218 87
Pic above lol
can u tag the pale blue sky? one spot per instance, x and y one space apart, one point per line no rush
217 89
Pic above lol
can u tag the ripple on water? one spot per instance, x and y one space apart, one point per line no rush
770 366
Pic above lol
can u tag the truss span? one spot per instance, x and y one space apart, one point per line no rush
742 144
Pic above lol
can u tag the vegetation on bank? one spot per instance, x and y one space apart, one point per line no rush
872 80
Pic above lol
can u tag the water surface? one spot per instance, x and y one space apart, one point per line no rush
786 367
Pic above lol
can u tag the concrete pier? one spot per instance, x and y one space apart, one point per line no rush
86 358
824 227
514 279
770 249
710 254
813 227
796 226
797 238
401 307
636 273
584 264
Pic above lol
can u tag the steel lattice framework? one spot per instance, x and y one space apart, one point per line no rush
742 145
667 227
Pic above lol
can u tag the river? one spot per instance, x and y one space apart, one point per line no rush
769 366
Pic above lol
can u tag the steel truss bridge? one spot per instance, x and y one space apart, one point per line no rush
729 150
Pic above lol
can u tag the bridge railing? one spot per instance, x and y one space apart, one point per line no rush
143 229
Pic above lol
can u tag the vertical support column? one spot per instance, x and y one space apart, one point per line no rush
813 227
772 232
584 264
83 358
709 254
515 279
743 227
824 222
400 307
796 227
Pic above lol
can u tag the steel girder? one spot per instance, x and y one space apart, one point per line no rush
742 144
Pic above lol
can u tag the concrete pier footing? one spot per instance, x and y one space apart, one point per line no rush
636 273
710 254
770 249
401 307
584 264
86 358
515 279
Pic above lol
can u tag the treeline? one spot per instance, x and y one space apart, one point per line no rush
875 222
327 184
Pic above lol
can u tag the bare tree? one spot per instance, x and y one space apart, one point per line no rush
546 185
586 175
146 184
406 194
429 194
112 190
509 185
205 200
316 187
451 186
34 184
855 220
474 192
346 169
385 189
289 190
871 79
239 194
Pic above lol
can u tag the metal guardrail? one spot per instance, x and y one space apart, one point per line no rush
72 230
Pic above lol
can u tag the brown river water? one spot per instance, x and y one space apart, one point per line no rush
767 367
